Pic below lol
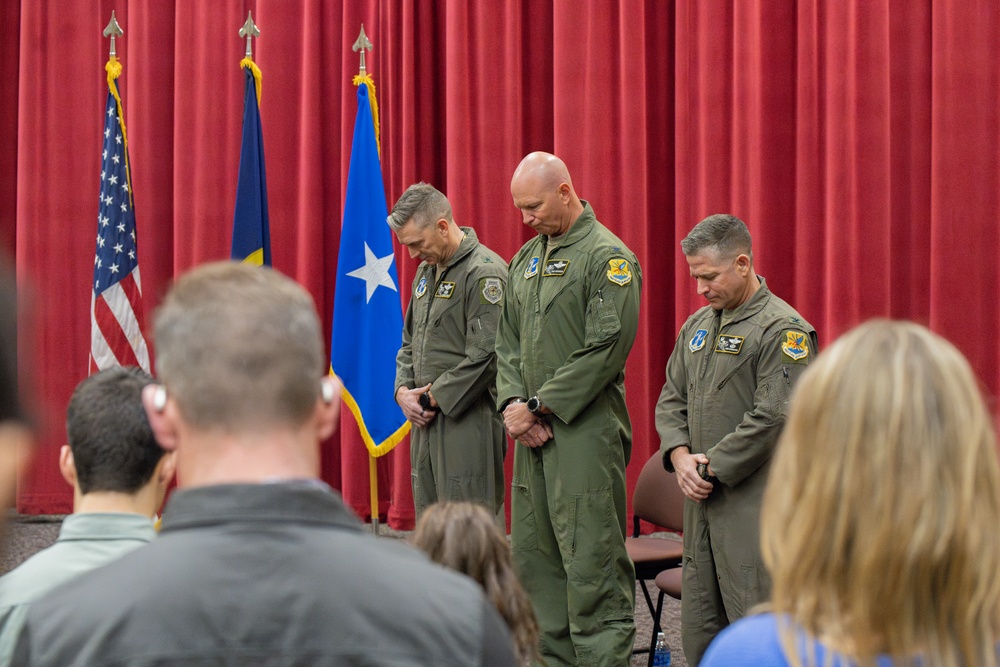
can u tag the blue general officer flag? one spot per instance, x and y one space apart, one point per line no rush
367 313
251 232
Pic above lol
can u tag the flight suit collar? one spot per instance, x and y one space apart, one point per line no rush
753 305
580 228
467 245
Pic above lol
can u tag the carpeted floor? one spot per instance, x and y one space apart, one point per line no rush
27 534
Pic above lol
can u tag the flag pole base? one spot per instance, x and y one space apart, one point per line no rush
375 526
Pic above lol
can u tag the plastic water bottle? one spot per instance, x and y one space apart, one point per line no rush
661 654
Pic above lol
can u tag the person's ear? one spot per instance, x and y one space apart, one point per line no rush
442 227
328 406
564 192
165 469
161 411
67 465
743 265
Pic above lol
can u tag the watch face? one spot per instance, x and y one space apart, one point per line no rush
534 405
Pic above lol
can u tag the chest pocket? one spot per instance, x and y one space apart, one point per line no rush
602 319
730 366
432 308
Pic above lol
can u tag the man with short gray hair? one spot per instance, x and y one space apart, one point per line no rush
719 416
258 562
446 366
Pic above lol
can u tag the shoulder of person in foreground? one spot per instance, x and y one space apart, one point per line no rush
151 597
753 640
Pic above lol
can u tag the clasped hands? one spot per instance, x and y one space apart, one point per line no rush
409 402
526 428
686 468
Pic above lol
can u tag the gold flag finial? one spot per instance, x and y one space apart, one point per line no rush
113 30
249 30
361 44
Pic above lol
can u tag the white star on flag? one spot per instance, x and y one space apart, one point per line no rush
375 272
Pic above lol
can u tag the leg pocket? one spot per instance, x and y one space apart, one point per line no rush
421 476
692 593
523 523
593 520
471 488
756 586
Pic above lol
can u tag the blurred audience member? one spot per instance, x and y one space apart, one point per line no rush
464 537
880 519
257 561
15 433
119 476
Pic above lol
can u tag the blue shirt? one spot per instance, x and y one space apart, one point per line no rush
755 640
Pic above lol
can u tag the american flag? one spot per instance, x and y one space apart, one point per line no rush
116 303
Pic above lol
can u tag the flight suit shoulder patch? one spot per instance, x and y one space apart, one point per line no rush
795 348
421 287
698 340
619 272
490 290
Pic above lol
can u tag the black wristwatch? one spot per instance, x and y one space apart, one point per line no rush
425 401
534 405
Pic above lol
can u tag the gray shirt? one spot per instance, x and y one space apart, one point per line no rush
86 541
268 574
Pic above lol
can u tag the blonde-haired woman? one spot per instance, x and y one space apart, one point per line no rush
881 518
464 537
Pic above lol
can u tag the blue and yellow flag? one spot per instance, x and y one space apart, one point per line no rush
367 313
251 233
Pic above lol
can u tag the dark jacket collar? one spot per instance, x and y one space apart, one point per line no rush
299 501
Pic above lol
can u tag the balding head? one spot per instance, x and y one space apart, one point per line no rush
545 168
542 189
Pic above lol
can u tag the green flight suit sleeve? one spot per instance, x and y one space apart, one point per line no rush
460 387
746 449
508 347
404 358
672 406
611 321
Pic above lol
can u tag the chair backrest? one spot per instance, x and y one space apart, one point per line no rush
657 498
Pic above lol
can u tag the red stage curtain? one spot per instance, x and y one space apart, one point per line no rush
858 139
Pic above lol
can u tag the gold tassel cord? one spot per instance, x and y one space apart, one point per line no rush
368 81
257 76
114 70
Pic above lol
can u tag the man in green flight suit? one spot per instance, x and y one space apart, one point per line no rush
719 416
446 366
569 320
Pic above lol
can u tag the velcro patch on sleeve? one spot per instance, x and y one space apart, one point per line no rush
619 272
490 290
795 348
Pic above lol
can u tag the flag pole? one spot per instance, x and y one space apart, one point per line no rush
116 311
360 45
